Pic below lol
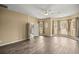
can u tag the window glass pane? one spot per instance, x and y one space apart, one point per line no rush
72 27
55 27
64 27
41 27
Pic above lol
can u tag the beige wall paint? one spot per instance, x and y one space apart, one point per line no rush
32 20
67 17
12 26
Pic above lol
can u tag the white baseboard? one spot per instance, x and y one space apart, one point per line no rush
10 42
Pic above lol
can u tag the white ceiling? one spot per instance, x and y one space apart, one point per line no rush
58 10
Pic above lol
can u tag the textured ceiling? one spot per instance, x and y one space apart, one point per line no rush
57 10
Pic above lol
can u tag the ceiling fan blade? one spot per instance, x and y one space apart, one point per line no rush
40 8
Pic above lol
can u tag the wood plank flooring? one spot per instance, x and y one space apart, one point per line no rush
43 45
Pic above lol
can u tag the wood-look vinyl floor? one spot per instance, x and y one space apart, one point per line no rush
43 45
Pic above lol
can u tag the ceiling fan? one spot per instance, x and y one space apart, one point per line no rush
47 11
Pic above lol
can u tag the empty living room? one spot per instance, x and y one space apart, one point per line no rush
39 28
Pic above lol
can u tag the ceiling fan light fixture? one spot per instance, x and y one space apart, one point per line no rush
46 14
